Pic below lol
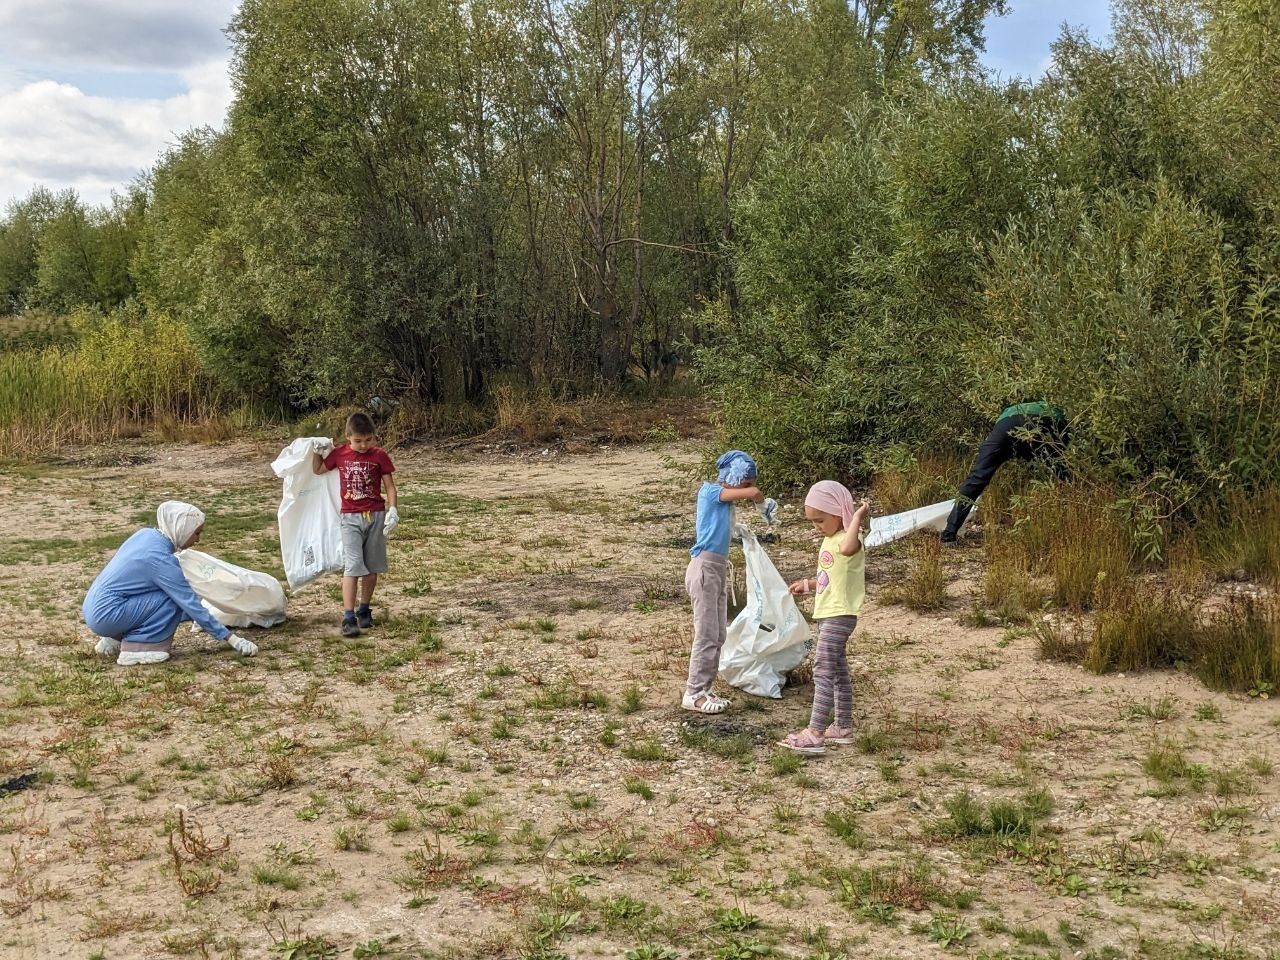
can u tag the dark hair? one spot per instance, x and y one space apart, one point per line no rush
360 425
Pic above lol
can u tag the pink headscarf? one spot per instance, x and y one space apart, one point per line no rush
833 498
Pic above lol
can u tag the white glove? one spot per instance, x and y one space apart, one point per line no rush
769 511
390 519
242 646
324 447
107 645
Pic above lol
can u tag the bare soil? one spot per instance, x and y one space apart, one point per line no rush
500 768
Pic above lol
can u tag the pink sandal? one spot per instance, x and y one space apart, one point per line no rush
806 742
836 734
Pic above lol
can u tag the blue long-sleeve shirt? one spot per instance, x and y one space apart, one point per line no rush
146 563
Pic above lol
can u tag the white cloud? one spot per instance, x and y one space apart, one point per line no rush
123 34
57 135
60 124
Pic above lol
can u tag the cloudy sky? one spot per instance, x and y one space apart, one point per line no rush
92 90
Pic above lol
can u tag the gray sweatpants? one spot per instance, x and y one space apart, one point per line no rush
707 580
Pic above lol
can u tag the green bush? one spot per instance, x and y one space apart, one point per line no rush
1130 312
858 272
953 251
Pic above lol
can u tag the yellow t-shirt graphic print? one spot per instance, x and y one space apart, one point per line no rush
841 580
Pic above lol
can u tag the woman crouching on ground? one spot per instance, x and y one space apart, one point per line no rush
137 602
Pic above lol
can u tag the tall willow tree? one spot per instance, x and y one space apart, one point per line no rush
20 231
420 196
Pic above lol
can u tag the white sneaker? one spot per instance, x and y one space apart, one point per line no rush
138 658
107 646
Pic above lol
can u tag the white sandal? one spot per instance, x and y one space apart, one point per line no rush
710 702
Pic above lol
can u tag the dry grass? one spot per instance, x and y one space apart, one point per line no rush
1063 641
1146 625
1009 588
1071 534
121 374
1150 624
927 480
533 416
413 420
925 585
1239 648
1240 539
1067 533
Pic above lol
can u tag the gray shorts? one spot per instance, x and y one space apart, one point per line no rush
364 544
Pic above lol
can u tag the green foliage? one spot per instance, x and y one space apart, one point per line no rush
1167 764
19 248
870 247
844 825
59 254
947 930
1166 385
1102 239
858 273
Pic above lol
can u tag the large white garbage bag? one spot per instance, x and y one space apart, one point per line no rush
767 639
310 537
236 596
898 525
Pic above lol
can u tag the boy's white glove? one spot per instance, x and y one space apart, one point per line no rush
769 510
390 519
324 447
242 646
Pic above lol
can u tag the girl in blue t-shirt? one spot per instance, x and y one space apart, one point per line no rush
707 578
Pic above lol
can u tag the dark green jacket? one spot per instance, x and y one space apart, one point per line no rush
1039 408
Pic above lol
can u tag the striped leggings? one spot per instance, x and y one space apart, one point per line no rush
832 690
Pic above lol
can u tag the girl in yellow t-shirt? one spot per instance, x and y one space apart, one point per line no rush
840 586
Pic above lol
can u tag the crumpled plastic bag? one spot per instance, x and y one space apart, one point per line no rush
898 525
310 531
237 597
768 638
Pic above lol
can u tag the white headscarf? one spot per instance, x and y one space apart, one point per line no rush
178 521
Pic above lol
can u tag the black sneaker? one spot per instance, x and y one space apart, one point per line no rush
349 627
364 617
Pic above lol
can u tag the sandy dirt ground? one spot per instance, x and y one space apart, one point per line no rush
500 768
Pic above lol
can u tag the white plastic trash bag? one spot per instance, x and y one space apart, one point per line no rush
235 596
768 638
310 537
898 525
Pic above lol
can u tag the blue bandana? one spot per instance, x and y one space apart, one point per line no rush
735 466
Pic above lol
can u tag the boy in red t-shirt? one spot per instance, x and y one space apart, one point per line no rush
363 470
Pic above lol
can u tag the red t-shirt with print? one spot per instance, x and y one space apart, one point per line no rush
360 477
